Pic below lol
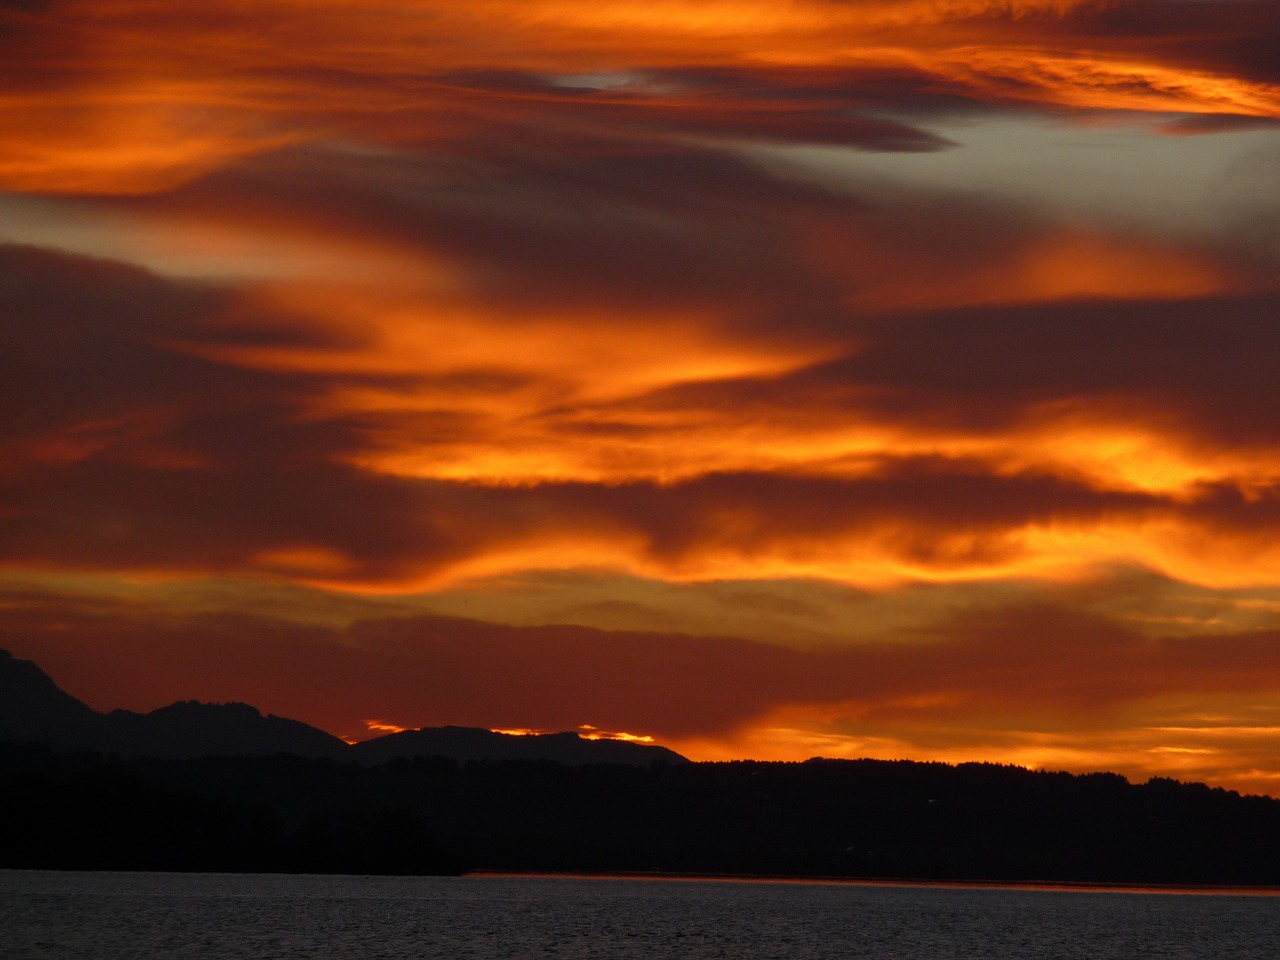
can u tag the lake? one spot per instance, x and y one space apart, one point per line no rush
112 916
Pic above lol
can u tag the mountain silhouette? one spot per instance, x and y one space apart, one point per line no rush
192 729
33 709
466 744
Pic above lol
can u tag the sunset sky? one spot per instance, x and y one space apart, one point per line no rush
771 378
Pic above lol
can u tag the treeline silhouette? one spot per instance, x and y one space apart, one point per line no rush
820 818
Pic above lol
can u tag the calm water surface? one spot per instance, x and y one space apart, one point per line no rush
106 916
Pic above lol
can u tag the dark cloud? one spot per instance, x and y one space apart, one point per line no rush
911 90
26 6
1196 366
538 224
126 449
1232 37
937 514
929 511
82 334
782 105
1200 362
1204 123
587 221
97 367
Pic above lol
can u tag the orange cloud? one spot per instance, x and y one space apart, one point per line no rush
400 302
141 98
860 481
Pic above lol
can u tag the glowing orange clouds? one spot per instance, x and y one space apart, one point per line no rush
119 141
1098 83
139 99
377 727
1232 757
779 378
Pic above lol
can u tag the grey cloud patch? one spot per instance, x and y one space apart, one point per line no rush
779 106
1208 123
545 224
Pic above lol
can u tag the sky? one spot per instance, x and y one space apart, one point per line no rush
768 378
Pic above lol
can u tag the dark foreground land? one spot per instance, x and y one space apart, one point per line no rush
823 818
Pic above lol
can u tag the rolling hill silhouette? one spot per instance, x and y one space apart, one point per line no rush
34 709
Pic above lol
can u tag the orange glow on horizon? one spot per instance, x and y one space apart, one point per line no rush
588 732
519 732
1138 754
380 727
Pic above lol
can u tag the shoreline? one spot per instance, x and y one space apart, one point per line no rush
1067 886
657 876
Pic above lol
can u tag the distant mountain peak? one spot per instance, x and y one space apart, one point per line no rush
33 708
